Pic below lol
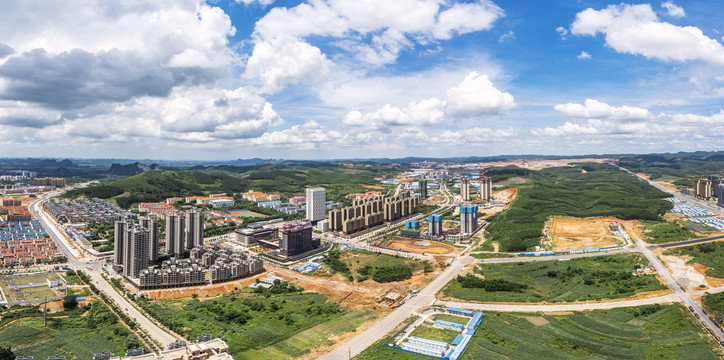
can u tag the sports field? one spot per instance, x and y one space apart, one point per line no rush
34 293
247 213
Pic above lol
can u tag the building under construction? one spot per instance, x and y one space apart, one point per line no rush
486 187
370 212
708 188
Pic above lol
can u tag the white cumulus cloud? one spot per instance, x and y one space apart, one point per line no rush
594 109
584 55
635 29
673 10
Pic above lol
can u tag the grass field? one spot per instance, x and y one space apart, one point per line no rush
75 335
432 333
648 332
558 281
452 318
317 336
709 254
660 232
280 324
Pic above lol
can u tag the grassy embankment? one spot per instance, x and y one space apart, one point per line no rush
279 322
555 281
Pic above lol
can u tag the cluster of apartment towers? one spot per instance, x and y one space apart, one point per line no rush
708 188
136 243
370 212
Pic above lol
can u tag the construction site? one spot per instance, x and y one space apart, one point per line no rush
419 246
564 234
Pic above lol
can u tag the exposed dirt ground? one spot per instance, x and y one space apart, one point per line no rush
449 224
422 246
203 291
370 186
568 234
505 195
666 185
689 275
537 164
642 175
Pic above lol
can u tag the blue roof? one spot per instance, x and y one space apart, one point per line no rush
463 311
477 318
457 341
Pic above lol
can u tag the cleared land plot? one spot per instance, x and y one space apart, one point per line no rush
420 246
606 277
78 334
250 321
429 332
361 265
247 213
711 255
570 233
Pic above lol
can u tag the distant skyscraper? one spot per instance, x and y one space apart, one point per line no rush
465 189
151 224
175 234
316 203
720 200
423 188
136 255
194 228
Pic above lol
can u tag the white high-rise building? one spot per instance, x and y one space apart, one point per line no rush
118 245
316 204
194 228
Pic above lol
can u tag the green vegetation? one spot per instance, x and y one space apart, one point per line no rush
77 334
452 318
710 254
679 168
660 232
556 281
432 333
250 321
714 304
647 332
362 265
301 343
487 255
602 190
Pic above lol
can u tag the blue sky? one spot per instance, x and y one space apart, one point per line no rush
321 79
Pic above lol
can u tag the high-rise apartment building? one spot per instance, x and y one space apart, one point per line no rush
151 224
194 228
176 234
297 238
422 184
118 244
136 256
468 219
720 200
465 189
316 205
486 187
370 212
434 224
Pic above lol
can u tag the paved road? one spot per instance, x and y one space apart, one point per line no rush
559 307
93 269
555 257
678 291
154 331
687 242
370 336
